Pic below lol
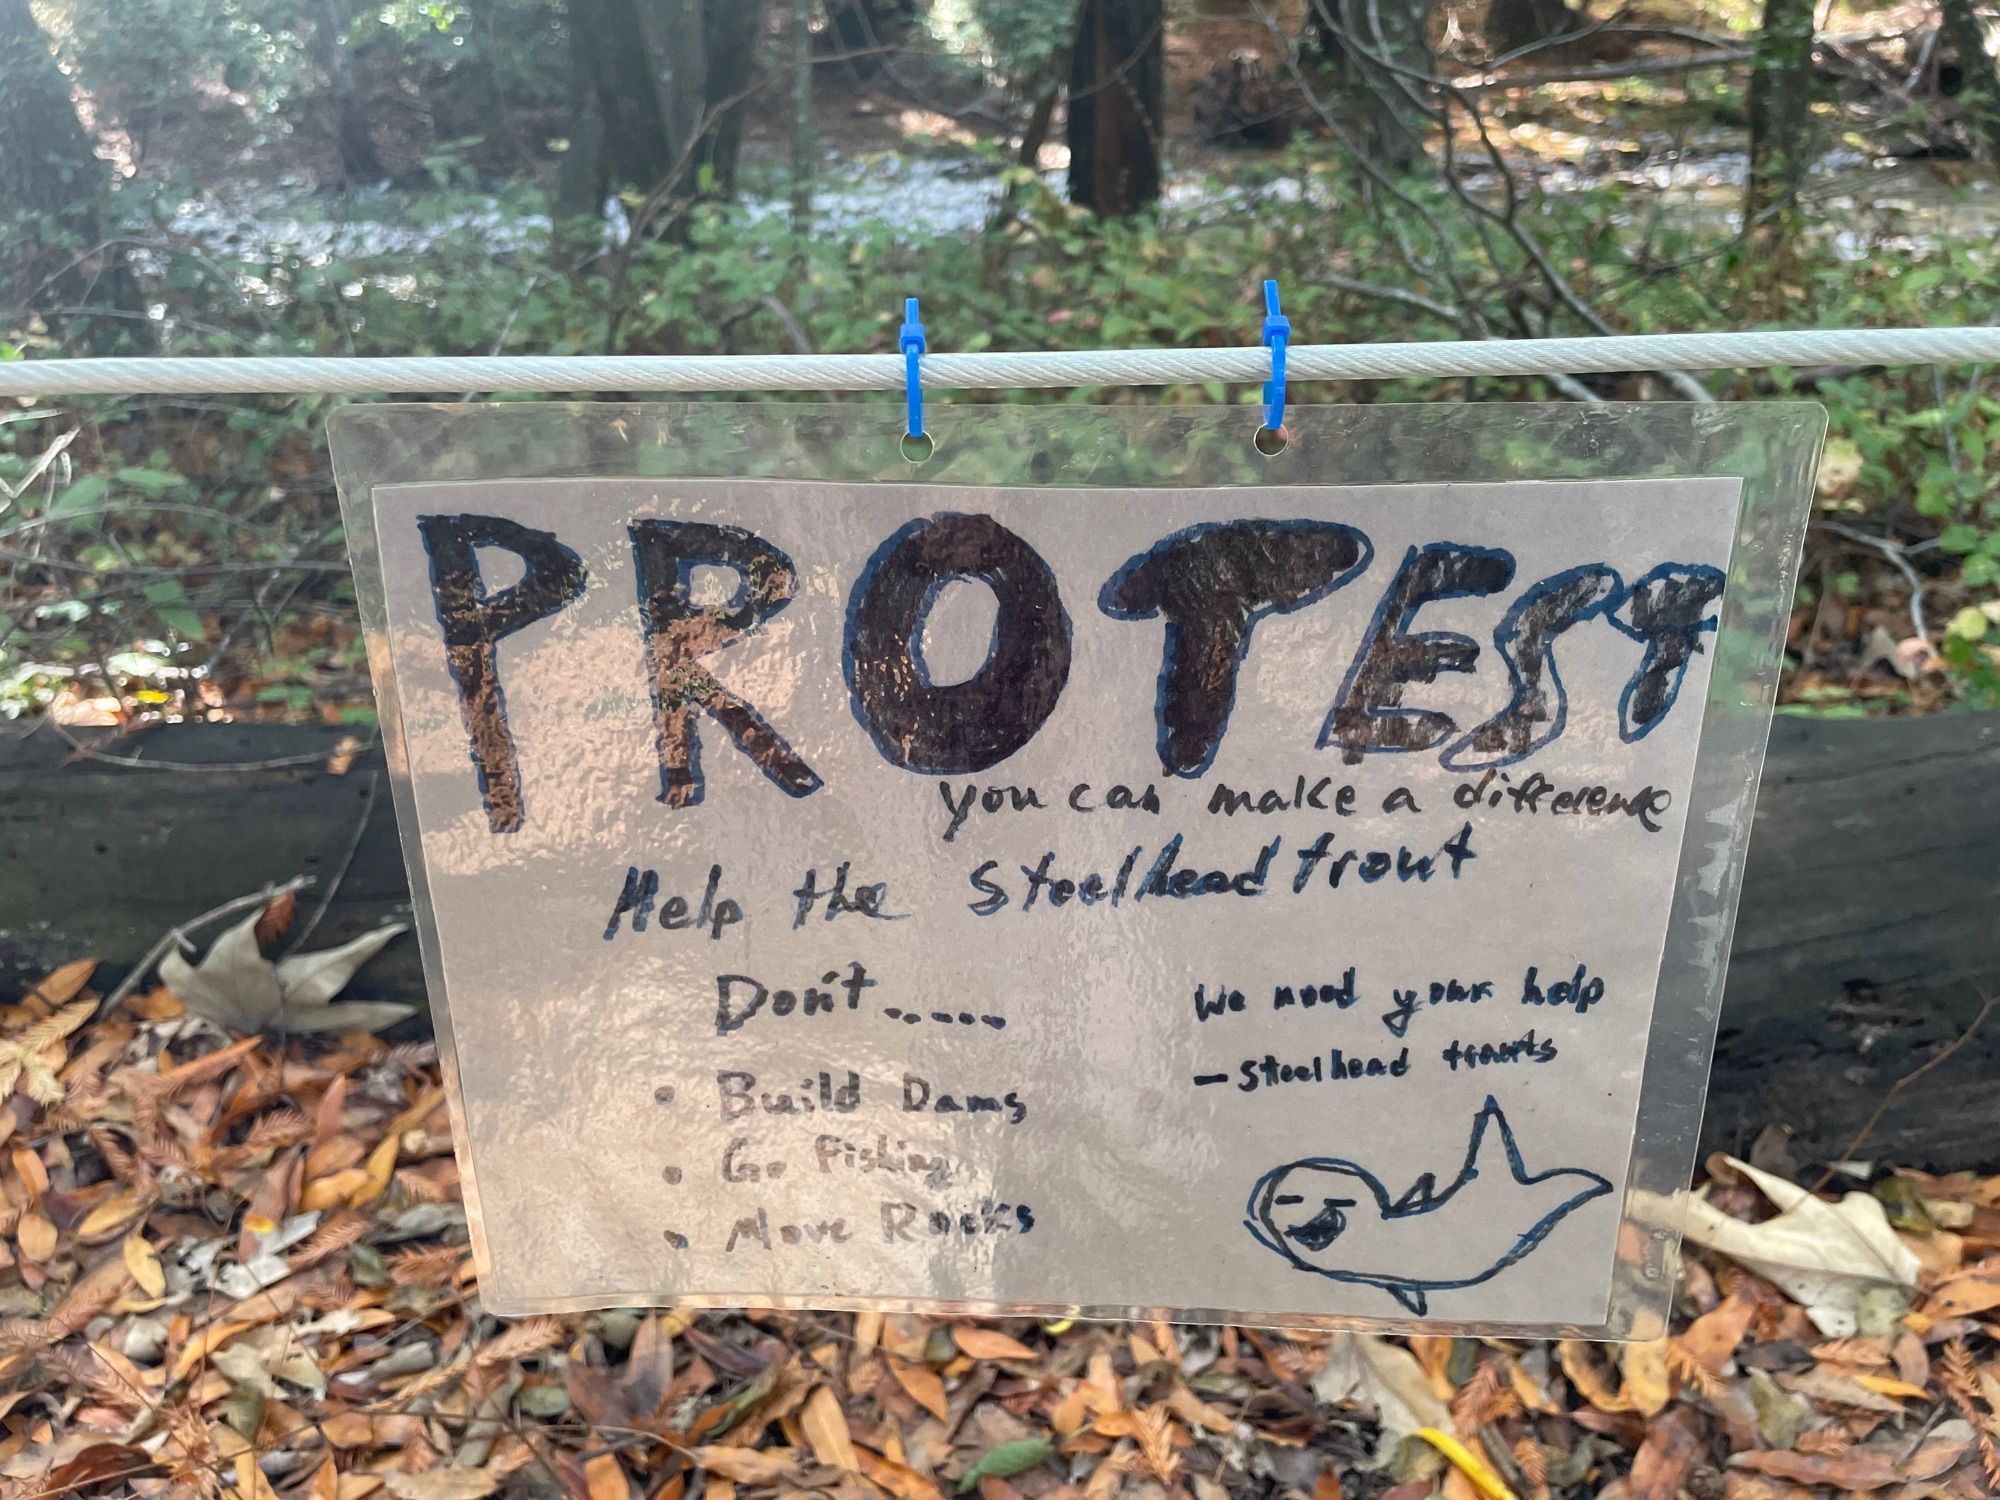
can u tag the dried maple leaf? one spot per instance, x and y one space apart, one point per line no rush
236 987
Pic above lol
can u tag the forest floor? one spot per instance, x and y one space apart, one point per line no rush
234 1266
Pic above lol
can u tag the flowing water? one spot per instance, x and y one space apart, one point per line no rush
1865 206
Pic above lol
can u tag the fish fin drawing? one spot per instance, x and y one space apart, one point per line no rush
1421 1192
1410 1295
1491 1114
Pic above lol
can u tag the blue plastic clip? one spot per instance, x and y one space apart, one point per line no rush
1277 336
912 343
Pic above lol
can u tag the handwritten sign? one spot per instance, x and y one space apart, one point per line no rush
1247 900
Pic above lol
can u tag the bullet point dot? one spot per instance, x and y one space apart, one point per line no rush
677 1240
664 1093
673 1175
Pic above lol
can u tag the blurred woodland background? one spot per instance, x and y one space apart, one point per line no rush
691 176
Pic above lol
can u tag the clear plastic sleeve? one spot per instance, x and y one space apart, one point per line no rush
704 778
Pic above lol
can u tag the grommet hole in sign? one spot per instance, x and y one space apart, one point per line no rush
917 444
1271 438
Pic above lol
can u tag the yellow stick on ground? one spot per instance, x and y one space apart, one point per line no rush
1462 1458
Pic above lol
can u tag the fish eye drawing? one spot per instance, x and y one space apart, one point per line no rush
1335 1218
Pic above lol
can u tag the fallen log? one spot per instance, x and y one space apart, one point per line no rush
1864 942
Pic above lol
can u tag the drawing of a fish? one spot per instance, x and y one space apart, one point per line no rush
1335 1218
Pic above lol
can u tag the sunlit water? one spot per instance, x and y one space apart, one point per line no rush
1863 207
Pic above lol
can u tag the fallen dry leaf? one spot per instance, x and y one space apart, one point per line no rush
36 1236
1867 1468
924 1385
442 1484
1361 1368
144 1266
1963 1297
1825 1256
604 1478
988 1343
1711 1339
1660 1468
1648 1387
237 988
99 1469
109 1219
251 1237
204 1344
1580 1366
61 984
747 1465
825 1427
898 1479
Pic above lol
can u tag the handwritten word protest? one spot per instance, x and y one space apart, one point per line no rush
1209 584
1248 900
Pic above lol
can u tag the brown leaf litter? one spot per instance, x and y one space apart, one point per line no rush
240 1269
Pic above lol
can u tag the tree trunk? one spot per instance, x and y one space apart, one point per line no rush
360 162
53 196
1980 93
656 96
1781 81
1380 52
1514 24
804 148
617 112
862 28
48 169
583 177
730 34
676 33
1116 86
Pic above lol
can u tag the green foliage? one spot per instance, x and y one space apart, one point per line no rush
1006 1461
1015 40
139 57
141 54
734 279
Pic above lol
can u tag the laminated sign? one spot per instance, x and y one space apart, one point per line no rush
1106 874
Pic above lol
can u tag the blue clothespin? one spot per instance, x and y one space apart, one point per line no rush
1277 336
912 343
